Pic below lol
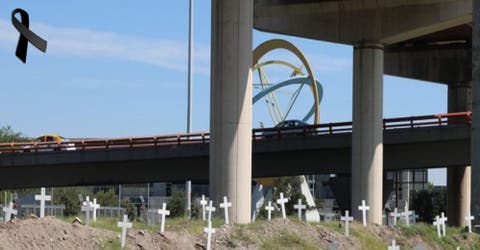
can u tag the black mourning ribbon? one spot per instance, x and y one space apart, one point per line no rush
26 35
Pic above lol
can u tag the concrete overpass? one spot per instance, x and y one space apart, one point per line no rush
322 149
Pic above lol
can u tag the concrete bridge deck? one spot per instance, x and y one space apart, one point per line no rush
430 146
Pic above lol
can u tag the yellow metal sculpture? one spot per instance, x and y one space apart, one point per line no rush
257 65
274 44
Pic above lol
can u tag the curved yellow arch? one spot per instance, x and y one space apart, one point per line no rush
296 70
270 45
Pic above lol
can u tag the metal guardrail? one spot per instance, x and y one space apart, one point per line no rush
463 118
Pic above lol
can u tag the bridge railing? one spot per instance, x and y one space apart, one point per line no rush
451 119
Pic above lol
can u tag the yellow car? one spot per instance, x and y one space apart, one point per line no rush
50 142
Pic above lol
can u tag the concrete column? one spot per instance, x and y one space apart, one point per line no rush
367 136
231 106
475 134
458 177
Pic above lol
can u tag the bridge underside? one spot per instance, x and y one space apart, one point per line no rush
403 149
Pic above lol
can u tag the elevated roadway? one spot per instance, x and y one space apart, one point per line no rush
409 143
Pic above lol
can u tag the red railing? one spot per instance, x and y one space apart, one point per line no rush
462 118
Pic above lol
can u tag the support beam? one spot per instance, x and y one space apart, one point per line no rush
475 134
458 177
449 63
231 106
388 21
367 136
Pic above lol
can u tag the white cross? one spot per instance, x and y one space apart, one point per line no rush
163 212
469 219
95 206
299 207
393 246
269 208
395 214
282 202
437 222
124 225
225 205
406 213
42 198
8 211
87 199
364 209
203 203
209 230
210 208
87 207
414 217
444 220
347 220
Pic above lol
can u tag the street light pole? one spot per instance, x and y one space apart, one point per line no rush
190 52
188 188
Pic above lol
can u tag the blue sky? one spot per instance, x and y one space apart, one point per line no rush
119 68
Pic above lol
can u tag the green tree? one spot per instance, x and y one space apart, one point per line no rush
422 204
176 203
107 198
69 197
429 202
290 187
130 209
7 134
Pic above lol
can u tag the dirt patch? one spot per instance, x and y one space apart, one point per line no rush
144 239
50 233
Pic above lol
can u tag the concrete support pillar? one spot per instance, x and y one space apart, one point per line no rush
458 177
475 133
367 136
231 106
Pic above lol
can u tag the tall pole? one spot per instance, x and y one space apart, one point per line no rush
190 51
188 188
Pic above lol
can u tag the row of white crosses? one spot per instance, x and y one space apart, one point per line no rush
9 211
210 209
405 214
282 201
209 230
440 224
87 207
125 224
347 219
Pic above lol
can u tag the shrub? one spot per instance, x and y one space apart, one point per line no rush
290 187
130 209
176 204
107 198
68 196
